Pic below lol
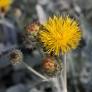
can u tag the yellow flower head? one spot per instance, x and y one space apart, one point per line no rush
61 35
5 5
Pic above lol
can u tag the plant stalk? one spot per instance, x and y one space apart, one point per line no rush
65 75
35 72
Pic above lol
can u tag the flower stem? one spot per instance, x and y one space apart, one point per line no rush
34 71
65 75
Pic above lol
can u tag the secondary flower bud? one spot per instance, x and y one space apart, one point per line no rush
50 67
16 56
33 27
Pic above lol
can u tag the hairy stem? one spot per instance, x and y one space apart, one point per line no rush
35 72
65 75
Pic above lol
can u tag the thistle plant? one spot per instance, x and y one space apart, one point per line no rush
55 38
62 34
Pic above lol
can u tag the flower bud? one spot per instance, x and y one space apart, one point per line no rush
16 56
50 67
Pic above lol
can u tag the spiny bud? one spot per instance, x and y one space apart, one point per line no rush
50 67
30 35
16 56
33 27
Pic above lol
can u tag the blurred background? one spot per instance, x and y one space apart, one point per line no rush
16 78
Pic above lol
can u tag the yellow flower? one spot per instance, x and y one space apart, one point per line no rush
5 5
61 35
